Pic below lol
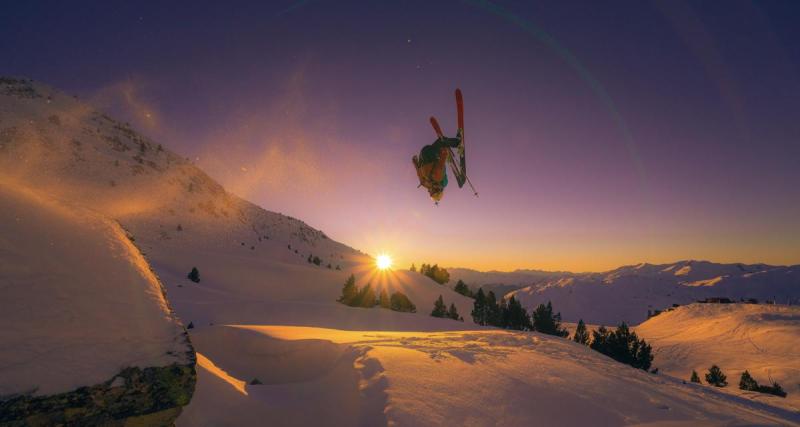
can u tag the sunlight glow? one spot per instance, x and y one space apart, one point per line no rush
383 262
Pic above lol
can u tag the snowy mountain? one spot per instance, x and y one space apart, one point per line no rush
502 282
762 339
627 293
271 341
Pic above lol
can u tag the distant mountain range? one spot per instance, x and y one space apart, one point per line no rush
628 292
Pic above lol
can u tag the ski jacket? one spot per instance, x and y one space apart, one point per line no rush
433 160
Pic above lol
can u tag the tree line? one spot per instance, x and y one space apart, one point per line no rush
621 344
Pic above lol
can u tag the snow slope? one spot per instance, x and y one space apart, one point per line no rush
627 293
79 302
181 218
763 339
321 363
474 378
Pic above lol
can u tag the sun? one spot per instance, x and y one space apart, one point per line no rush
383 262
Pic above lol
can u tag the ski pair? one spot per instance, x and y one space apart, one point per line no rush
460 169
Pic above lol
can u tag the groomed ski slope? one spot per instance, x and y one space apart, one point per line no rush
763 339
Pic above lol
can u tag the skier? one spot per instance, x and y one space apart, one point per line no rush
431 164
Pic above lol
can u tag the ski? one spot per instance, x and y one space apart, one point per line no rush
437 128
462 146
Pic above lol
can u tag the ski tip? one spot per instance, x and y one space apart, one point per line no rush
458 92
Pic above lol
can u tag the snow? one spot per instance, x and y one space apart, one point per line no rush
78 301
261 311
479 377
762 339
707 282
627 293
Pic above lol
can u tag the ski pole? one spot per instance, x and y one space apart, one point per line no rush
471 186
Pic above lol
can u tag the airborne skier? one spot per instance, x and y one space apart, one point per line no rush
431 164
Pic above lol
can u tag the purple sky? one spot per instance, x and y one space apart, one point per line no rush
598 134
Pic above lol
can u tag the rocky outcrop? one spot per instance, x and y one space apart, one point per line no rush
151 396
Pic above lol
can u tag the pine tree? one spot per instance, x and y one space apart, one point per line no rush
194 275
317 261
453 313
695 378
747 382
494 316
504 318
310 260
546 322
413 268
400 302
366 297
581 334
715 377
479 308
439 308
349 292
383 300
516 316
462 288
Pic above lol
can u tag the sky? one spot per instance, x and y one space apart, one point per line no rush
597 134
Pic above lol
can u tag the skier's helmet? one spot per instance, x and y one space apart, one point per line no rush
436 193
